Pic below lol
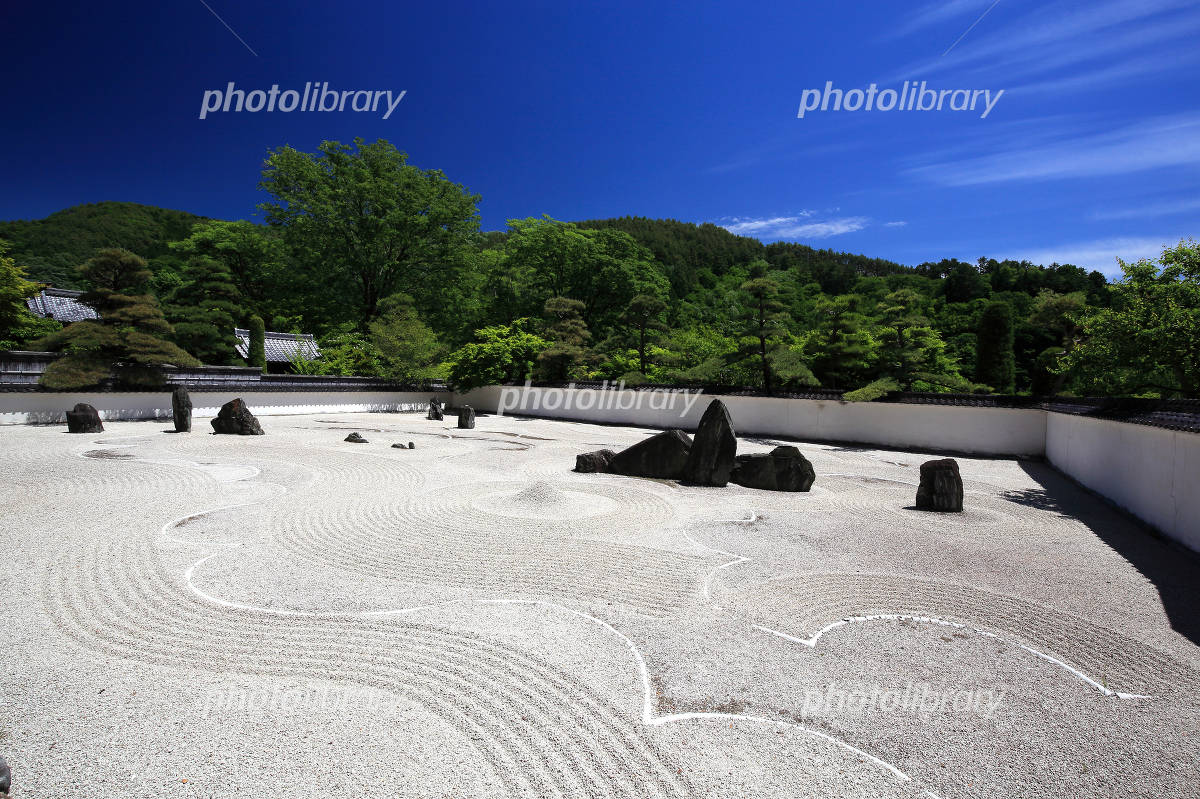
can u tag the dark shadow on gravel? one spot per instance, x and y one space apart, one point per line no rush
1173 569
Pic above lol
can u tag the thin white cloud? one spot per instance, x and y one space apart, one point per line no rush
1066 39
1169 208
1100 255
749 226
932 14
794 227
1171 141
898 223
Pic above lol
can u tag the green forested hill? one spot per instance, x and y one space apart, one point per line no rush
50 249
696 255
634 297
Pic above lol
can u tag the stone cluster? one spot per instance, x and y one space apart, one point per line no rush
708 459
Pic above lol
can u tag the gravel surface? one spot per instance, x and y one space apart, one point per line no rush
292 615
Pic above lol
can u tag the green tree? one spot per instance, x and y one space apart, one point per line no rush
995 365
544 258
1056 315
17 324
258 342
256 259
347 353
644 315
1149 340
129 341
408 348
14 289
910 353
763 320
372 222
568 335
499 354
843 350
205 310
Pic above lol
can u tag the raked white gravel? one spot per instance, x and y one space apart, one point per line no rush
188 615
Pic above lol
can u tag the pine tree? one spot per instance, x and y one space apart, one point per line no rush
568 335
764 321
205 310
128 341
645 314
995 364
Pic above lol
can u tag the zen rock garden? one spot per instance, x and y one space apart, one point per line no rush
710 459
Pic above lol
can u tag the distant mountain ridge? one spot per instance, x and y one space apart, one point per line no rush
50 249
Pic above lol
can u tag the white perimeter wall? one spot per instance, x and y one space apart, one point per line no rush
19 407
1151 472
988 431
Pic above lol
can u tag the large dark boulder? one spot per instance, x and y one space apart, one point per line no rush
466 417
781 469
181 410
435 410
5 776
235 419
356 438
83 418
594 461
941 487
661 456
714 447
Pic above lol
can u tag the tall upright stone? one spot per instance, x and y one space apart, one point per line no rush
941 487
714 447
435 410
466 417
235 419
83 418
181 409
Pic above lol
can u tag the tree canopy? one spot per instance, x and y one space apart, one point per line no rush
130 340
383 261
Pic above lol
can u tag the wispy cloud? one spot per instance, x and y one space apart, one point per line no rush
1169 141
1169 208
796 226
933 14
1100 254
898 223
1062 40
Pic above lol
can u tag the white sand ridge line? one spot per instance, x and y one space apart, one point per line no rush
811 642
648 716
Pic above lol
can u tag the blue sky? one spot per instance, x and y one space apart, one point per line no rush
681 110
